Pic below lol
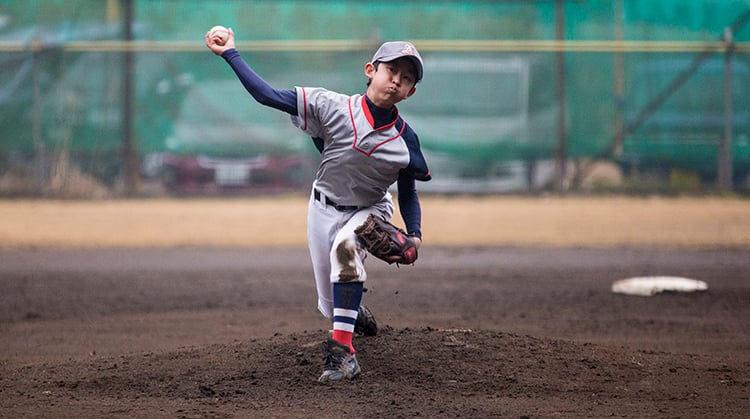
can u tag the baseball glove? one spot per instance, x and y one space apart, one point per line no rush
385 241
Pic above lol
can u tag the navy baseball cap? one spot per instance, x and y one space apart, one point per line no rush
389 51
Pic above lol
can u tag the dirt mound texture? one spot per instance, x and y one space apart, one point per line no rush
103 328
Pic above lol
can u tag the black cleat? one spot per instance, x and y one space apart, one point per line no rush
365 323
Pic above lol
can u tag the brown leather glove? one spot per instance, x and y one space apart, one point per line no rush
385 241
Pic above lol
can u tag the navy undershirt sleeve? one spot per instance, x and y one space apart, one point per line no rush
283 100
408 202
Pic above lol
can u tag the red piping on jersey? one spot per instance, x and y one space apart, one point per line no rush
370 119
304 105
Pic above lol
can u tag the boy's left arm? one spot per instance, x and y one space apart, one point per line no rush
408 200
411 210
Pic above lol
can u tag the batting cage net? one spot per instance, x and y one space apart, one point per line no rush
517 96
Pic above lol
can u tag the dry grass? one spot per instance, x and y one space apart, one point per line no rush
280 221
710 222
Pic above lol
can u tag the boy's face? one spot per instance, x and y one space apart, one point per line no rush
390 82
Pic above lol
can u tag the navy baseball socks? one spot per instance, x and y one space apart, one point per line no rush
347 297
339 359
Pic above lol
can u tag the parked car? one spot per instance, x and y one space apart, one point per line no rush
486 124
195 174
224 142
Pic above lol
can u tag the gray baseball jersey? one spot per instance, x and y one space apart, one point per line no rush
359 162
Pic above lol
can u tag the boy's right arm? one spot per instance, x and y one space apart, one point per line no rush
283 100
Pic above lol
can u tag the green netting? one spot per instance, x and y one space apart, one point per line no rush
475 108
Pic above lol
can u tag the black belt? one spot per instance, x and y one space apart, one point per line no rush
317 194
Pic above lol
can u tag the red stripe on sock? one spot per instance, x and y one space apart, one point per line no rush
344 338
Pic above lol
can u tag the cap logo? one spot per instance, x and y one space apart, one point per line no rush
408 49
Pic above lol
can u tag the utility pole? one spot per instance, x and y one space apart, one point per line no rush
129 152
619 80
561 151
40 172
725 169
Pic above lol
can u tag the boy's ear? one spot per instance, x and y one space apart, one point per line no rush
370 70
411 92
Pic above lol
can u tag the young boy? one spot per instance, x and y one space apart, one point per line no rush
366 147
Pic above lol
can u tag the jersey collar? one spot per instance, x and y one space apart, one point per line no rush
370 109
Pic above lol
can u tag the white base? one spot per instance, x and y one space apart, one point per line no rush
652 285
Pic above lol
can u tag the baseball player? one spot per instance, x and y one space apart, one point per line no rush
366 147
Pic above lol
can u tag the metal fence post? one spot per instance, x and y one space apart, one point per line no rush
725 169
561 152
40 172
130 155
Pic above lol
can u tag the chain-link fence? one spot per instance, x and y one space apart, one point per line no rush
122 97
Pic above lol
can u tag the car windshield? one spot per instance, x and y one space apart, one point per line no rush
220 118
480 90
218 102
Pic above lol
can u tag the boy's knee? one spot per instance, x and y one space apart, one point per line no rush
346 256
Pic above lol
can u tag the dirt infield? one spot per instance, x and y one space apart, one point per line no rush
517 323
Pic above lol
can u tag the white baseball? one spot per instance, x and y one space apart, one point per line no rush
221 32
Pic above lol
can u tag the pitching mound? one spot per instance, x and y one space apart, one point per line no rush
406 373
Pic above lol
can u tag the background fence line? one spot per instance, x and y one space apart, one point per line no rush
478 45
